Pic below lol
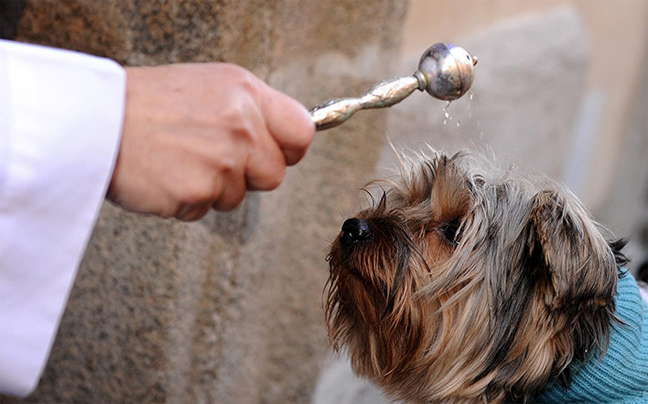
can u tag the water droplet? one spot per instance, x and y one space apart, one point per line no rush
446 113
471 93
458 124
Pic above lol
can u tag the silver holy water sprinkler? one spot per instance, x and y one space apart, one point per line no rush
445 71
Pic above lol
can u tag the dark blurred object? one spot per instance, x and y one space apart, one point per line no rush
642 272
10 13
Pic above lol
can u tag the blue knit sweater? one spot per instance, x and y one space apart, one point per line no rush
621 377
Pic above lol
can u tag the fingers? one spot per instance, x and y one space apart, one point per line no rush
230 192
278 130
288 122
189 213
220 186
265 166
197 137
266 170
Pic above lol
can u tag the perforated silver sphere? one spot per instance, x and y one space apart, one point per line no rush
446 70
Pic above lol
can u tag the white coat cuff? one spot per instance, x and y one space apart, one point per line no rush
61 114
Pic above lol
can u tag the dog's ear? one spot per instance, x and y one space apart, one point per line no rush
577 275
575 261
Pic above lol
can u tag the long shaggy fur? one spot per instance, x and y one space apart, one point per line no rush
475 286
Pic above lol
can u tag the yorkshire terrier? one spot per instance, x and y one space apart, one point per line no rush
464 284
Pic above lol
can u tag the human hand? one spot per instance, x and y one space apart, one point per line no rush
199 136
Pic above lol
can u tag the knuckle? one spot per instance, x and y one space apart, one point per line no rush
242 81
241 121
266 173
197 192
247 80
230 201
276 178
225 162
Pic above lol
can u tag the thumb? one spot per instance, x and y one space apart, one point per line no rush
288 122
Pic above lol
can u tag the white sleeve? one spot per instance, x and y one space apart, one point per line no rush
60 123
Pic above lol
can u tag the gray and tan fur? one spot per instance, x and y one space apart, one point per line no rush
464 284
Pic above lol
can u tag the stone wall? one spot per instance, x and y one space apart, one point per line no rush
228 309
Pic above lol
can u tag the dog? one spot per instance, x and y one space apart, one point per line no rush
462 283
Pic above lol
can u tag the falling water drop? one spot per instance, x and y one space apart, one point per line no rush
446 113
445 109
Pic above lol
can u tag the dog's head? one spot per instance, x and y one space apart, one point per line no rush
462 285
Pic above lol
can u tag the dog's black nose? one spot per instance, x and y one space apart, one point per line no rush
355 230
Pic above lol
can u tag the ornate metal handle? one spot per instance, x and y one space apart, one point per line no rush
445 71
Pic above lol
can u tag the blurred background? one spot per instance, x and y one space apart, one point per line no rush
561 88
228 309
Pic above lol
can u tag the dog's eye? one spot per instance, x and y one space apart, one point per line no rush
451 231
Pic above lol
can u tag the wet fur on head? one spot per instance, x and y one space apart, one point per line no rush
475 285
